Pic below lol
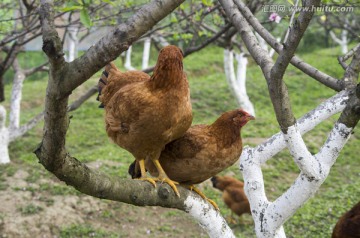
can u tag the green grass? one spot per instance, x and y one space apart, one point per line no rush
85 230
87 140
30 209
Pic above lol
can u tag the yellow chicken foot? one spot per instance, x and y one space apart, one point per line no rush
231 220
164 178
144 177
201 194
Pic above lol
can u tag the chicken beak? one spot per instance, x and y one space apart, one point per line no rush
250 117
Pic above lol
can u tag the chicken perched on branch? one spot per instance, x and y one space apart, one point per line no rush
233 194
204 151
143 116
348 225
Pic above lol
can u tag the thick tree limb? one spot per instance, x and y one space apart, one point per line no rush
111 45
63 78
277 88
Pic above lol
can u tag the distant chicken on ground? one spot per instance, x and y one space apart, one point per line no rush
143 115
233 194
203 152
348 225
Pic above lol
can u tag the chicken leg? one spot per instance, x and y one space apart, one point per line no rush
201 194
144 177
164 178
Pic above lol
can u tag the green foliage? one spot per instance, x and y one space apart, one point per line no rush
83 7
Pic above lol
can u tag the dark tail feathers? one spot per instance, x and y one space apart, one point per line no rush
101 84
134 170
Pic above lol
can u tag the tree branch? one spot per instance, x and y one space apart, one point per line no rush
117 41
277 88
76 104
321 77
208 41
52 153
347 56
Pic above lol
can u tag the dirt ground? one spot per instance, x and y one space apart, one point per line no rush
32 210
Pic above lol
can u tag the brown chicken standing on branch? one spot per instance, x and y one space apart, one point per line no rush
144 115
233 194
203 152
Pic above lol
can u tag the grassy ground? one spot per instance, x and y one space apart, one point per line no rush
87 141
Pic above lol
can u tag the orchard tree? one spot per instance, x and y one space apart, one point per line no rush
268 216
17 32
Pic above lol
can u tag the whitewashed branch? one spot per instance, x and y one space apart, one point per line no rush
207 217
302 157
303 187
272 215
276 143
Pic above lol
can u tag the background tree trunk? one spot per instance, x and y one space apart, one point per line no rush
4 138
146 53
237 82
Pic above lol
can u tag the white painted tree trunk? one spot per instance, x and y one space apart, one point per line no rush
208 218
237 82
14 130
343 41
270 216
72 43
146 53
4 138
127 64
16 95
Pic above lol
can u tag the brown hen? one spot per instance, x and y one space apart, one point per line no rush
204 151
233 194
143 116
348 225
